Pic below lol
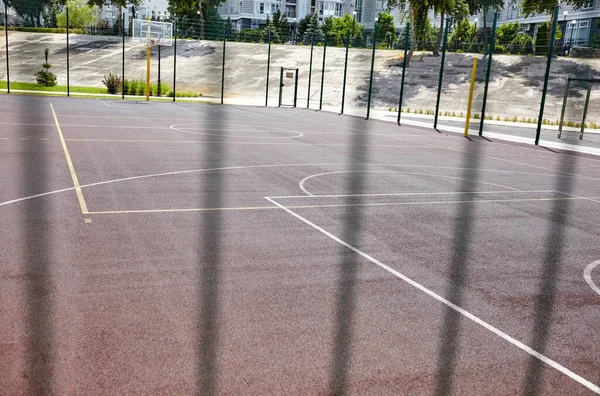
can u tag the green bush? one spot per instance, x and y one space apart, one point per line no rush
499 49
507 33
45 77
138 87
112 82
522 44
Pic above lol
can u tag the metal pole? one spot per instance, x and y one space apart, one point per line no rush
406 43
280 86
312 43
323 69
439 92
345 70
372 66
175 61
487 73
268 68
547 75
68 85
296 88
123 58
6 35
158 88
585 108
470 102
564 107
223 65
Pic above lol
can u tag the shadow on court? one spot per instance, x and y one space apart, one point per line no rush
349 261
210 224
552 263
449 337
37 254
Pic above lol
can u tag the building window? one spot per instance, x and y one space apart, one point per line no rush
261 8
240 9
589 5
578 33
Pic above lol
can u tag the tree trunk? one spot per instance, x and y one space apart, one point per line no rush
436 48
413 36
120 25
550 26
201 15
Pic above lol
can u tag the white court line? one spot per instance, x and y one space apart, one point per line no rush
174 127
465 313
301 184
592 199
409 194
104 103
587 275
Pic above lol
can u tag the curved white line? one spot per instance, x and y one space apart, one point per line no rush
260 166
301 184
155 175
587 275
174 127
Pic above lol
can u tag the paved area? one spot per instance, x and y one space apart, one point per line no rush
515 81
160 248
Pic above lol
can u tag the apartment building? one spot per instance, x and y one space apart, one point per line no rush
579 26
252 14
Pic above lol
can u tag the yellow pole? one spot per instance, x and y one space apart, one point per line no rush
471 88
148 62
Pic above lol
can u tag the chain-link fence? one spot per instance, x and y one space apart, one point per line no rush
342 66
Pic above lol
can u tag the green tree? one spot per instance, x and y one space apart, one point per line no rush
30 10
340 27
385 28
280 25
121 4
303 25
313 30
192 11
507 33
541 38
80 14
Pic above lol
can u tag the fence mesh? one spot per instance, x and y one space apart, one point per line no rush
515 85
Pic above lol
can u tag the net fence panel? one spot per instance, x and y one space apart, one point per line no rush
95 55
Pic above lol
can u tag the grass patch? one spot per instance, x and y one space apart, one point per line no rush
57 88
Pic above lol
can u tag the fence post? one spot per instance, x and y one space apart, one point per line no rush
158 87
123 58
372 66
268 67
296 88
345 70
439 92
547 75
223 65
585 108
280 86
323 70
6 35
406 41
312 43
564 107
68 84
487 73
175 61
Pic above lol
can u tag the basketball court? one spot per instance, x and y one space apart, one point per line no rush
169 248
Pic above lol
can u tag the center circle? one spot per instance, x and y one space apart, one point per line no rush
193 129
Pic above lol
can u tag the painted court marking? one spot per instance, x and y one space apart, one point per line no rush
449 304
178 127
303 181
587 275
77 187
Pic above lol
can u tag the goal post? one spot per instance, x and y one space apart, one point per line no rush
285 74
591 81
